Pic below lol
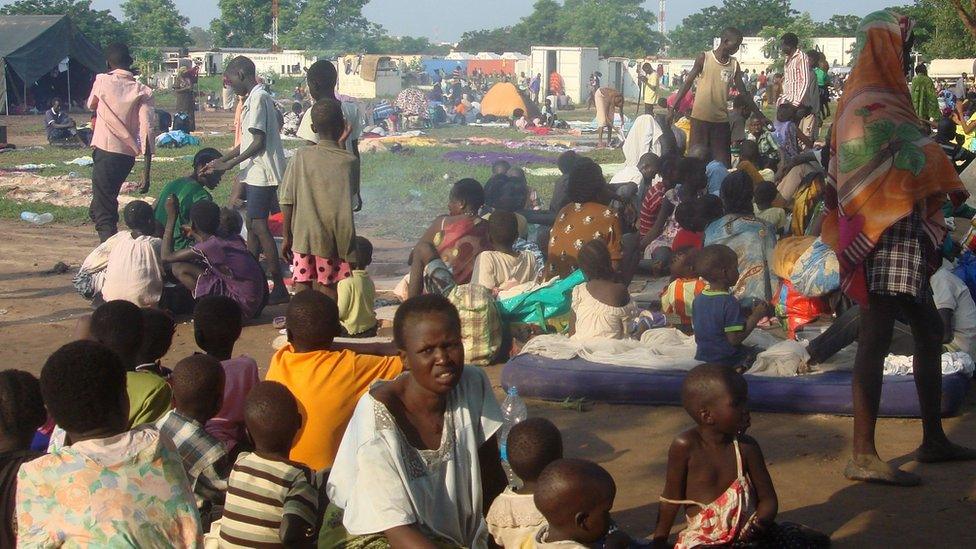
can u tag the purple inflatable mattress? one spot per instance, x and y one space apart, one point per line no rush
826 393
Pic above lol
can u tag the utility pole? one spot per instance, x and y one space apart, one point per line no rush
275 7
662 26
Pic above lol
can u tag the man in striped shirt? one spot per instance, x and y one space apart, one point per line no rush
797 74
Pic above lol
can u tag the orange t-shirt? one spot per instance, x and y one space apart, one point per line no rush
327 385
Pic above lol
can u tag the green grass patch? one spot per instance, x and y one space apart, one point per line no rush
402 193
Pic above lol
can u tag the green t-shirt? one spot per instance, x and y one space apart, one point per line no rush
188 191
821 76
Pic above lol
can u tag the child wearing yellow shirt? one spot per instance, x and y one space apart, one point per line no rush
357 295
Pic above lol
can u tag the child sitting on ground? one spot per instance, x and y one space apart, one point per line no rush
217 326
575 497
501 267
519 120
720 327
677 298
198 388
768 148
119 326
357 295
271 501
765 194
21 413
326 383
316 198
158 328
219 263
788 136
692 217
548 114
134 271
718 464
602 307
110 486
532 445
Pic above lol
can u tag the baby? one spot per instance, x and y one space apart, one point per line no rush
716 463
720 327
575 497
271 501
532 445
602 307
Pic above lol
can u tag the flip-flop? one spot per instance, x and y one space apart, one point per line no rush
955 453
897 477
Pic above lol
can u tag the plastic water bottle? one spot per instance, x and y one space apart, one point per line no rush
513 412
37 219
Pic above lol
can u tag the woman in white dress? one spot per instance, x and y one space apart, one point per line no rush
418 464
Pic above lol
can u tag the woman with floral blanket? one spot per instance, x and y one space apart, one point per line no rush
888 183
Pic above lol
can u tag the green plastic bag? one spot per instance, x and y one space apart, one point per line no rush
542 304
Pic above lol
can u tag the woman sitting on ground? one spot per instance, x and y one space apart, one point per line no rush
752 239
602 307
418 464
586 217
219 263
691 184
444 256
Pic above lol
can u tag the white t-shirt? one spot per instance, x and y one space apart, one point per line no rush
950 292
350 111
134 272
380 481
267 168
494 269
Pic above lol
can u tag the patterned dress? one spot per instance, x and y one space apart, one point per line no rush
576 225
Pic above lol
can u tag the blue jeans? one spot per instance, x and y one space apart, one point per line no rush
845 330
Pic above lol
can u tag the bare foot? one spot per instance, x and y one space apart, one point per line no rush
866 468
945 451
278 296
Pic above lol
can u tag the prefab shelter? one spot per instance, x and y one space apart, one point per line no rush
48 55
492 66
951 69
368 76
574 65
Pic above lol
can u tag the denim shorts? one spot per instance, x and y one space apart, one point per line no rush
262 202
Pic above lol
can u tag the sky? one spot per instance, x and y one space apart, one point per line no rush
446 20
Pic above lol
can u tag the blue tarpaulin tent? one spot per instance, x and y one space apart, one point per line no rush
446 66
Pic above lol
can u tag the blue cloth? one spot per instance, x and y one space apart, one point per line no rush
716 173
714 314
753 242
176 139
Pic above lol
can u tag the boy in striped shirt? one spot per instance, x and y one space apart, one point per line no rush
677 297
271 501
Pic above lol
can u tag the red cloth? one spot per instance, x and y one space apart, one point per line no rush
685 238
650 207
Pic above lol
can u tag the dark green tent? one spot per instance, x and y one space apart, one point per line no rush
33 45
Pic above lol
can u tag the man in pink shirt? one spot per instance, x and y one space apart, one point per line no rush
124 112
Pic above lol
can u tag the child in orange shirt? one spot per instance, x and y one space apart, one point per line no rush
326 382
677 297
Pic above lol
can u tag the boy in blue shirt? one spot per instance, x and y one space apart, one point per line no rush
720 327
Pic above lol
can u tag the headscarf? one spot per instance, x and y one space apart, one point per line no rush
881 164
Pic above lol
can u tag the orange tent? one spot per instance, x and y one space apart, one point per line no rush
503 98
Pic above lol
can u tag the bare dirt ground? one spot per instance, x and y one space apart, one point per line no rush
806 454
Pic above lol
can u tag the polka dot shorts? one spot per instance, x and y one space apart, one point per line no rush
327 272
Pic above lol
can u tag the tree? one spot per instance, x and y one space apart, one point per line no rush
839 25
617 27
155 23
98 25
939 31
200 37
804 28
966 10
247 23
697 31
332 24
